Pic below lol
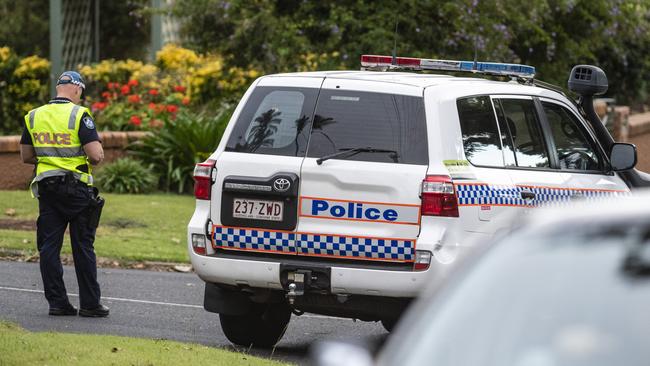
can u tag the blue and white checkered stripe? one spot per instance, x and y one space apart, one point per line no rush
484 194
354 247
254 239
400 250
548 197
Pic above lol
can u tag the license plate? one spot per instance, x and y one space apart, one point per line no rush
257 209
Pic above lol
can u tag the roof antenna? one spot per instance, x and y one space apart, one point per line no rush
475 66
394 61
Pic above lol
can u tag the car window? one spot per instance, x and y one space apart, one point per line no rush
478 125
506 138
523 127
574 149
350 119
274 121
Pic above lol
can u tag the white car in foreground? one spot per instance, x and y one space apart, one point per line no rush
569 287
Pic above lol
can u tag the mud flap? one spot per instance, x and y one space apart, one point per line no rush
218 300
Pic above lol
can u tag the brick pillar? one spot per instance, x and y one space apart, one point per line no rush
620 127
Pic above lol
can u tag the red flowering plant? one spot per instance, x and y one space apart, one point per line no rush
134 105
158 92
178 79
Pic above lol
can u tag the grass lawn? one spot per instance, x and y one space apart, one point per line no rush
20 347
133 227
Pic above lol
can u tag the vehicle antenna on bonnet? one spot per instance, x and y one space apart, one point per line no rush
475 52
394 61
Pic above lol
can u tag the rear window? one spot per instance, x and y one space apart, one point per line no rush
350 119
274 121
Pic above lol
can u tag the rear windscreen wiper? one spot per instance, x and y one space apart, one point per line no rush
347 152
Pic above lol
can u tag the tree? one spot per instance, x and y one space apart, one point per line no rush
552 35
25 27
124 28
261 135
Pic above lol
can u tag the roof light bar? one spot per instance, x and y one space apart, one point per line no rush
410 63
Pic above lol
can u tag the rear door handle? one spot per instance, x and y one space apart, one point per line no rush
527 195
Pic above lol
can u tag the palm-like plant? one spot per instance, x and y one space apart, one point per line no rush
261 134
179 145
301 123
319 123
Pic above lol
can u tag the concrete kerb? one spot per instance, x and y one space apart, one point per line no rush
23 255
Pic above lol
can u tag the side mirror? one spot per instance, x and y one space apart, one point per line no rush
588 80
622 156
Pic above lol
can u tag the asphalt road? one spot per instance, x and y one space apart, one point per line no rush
159 305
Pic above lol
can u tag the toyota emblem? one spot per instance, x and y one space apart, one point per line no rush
281 184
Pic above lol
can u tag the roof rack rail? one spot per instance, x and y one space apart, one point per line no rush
545 85
383 63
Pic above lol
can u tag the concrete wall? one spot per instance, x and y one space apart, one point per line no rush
16 175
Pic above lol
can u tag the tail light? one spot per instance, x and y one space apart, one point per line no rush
198 243
422 260
203 179
439 196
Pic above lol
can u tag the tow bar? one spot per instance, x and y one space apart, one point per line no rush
298 280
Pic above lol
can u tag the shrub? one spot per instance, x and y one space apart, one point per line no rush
206 75
132 95
179 144
23 86
140 98
126 175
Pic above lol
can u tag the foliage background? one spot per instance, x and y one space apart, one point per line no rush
174 149
23 86
126 175
266 36
184 96
552 35
17 18
24 36
124 24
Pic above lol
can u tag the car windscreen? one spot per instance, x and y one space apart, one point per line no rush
559 297
274 121
391 123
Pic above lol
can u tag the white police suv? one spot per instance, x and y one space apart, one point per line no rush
341 192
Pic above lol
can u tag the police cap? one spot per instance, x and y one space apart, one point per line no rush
71 77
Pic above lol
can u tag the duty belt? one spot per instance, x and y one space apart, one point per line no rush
81 177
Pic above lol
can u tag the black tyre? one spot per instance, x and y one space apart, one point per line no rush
263 326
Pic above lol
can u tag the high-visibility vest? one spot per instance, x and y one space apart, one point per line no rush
54 130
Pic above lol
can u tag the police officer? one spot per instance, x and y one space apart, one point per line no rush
61 140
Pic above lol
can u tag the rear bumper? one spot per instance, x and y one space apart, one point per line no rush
266 274
355 279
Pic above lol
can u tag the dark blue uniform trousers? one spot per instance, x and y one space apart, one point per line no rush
58 209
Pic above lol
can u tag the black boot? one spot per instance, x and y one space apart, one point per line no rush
99 312
67 310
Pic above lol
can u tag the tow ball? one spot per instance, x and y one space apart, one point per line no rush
298 281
